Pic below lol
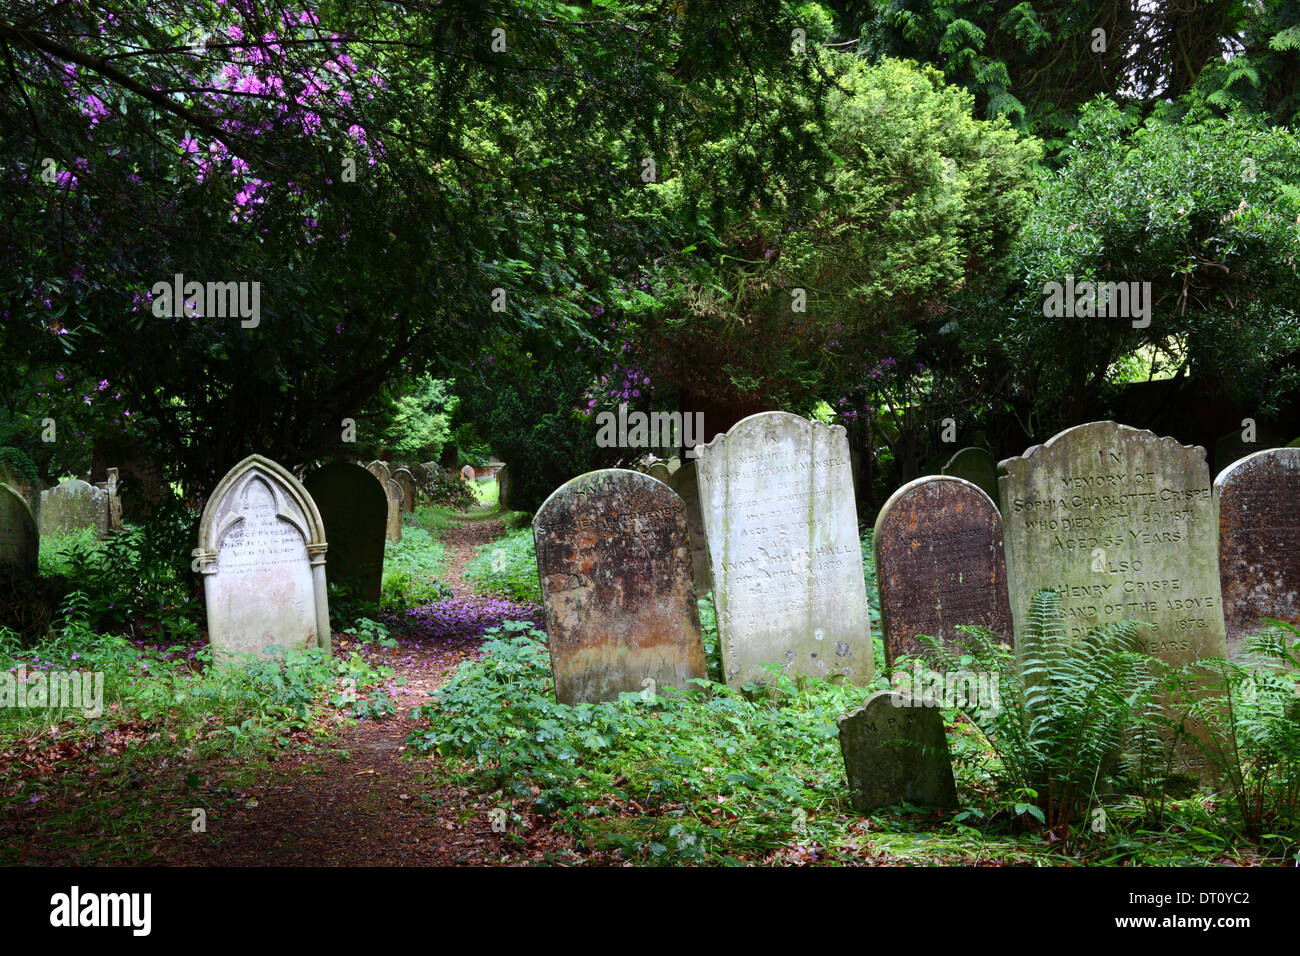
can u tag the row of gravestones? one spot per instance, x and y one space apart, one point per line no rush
1120 522
68 507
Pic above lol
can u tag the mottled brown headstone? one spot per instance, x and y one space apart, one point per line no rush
895 751
1258 505
615 565
939 564
468 473
354 510
380 470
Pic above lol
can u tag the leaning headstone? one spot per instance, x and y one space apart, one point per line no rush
895 751
73 505
396 503
1121 523
1258 505
939 564
503 487
683 481
354 510
380 470
262 556
786 564
406 480
614 561
977 466
18 538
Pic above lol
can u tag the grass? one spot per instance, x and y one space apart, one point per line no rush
486 492
413 568
507 566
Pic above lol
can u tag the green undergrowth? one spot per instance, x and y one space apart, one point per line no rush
413 569
507 566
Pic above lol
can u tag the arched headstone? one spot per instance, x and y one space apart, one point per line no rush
396 503
939 564
782 529
262 556
614 561
19 541
977 466
354 510
467 473
406 481
73 505
380 470
1258 504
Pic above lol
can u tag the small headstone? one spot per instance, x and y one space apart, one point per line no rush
419 472
939 563
380 470
73 505
1121 523
977 466
467 473
19 541
683 481
262 556
503 487
614 561
406 480
895 751
786 564
114 502
354 510
1258 504
396 503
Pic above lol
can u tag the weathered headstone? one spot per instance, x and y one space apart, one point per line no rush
1234 447
467 473
114 503
614 561
354 510
895 751
977 466
683 481
939 564
380 470
396 509
503 487
1121 523
419 472
1258 504
73 505
786 563
262 556
406 480
19 541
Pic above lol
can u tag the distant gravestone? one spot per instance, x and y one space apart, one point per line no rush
939 564
786 564
262 556
683 481
1121 523
114 503
396 508
1258 505
354 510
614 561
895 751
467 473
419 472
1233 447
977 466
406 480
73 505
380 470
19 541
503 487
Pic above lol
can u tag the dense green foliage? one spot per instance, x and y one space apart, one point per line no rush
507 566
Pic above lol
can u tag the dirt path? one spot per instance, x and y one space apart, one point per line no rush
353 797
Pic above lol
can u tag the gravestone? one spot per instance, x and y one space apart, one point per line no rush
786 565
419 472
262 556
1257 500
109 487
503 487
683 481
73 505
895 751
354 511
1121 523
977 466
29 488
19 541
380 470
614 561
1232 447
396 503
406 481
467 473
939 564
